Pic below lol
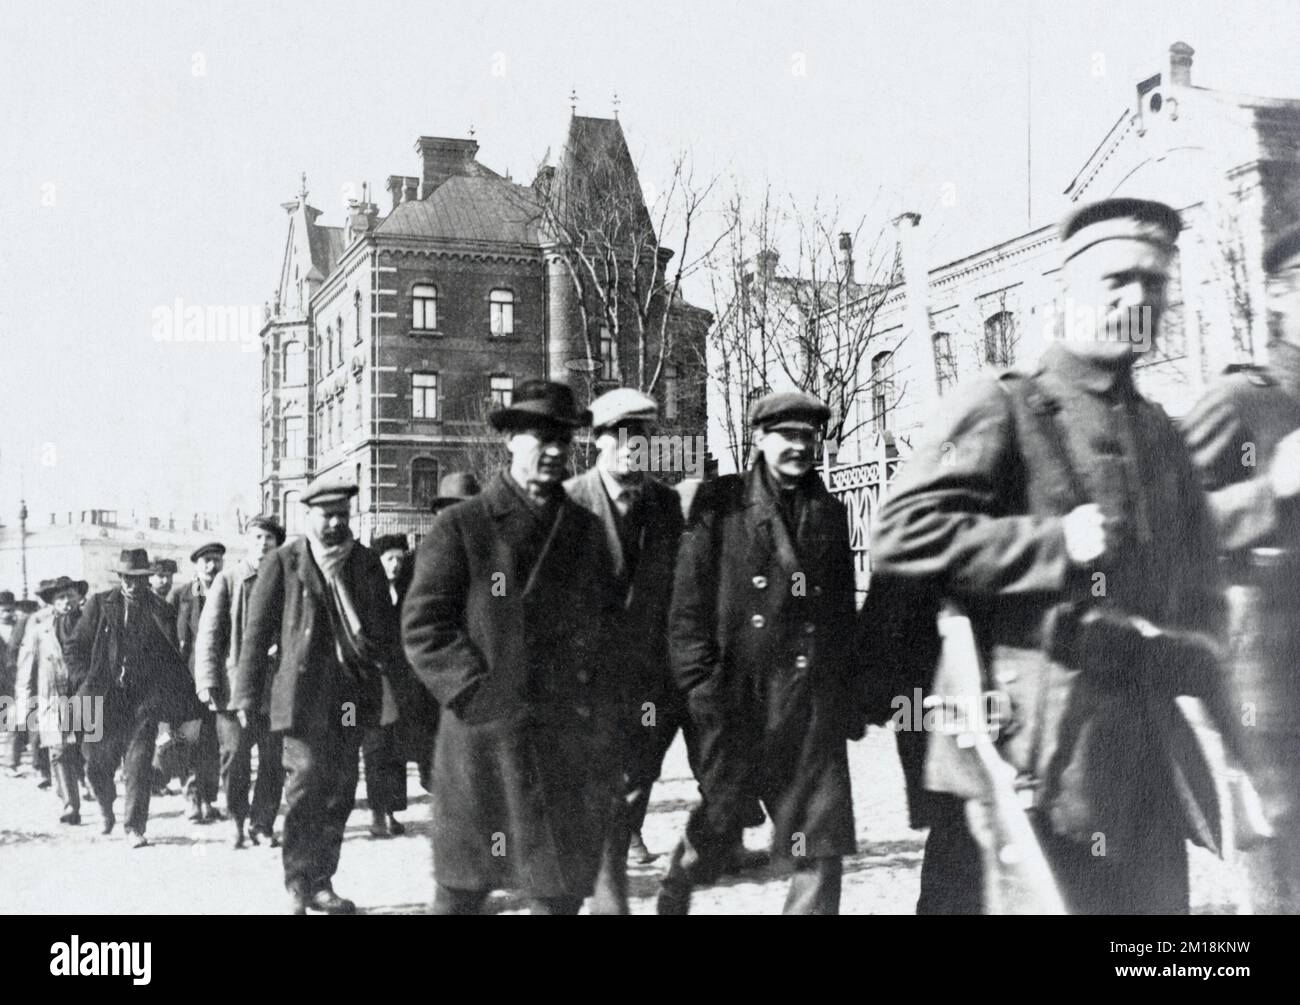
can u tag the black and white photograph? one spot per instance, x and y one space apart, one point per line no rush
695 458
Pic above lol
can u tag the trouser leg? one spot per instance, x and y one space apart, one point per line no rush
13 748
270 777
815 887
40 755
320 790
205 760
385 771
647 750
64 767
951 871
448 900
235 753
1273 869
137 770
102 758
610 893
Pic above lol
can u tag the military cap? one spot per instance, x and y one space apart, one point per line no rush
328 489
267 523
1281 248
389 542
788 409
211 548
1120 219
539 403
623 404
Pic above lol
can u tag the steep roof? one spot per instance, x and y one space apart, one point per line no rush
326 247
480 208
595 177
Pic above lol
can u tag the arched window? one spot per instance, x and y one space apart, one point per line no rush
945 363
424 307
424 482
1000 339
882 390
295 364
608 355
329 350
292 514
339 328
501 306
356 317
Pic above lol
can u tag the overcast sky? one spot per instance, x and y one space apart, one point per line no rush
147 148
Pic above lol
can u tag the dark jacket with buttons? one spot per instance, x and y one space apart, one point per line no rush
761 633
508 624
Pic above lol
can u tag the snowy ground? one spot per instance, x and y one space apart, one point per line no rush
47 867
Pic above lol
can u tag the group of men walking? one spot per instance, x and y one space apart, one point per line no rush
553 636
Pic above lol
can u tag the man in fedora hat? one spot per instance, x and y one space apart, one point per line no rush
223 626
507 623
201 735
323 601
44 684
454 487
1059 507
124 653
760 634
161 575
642 521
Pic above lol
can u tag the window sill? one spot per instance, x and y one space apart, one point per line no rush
425 333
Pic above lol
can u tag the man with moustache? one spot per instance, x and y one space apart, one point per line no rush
761 632
205 757
322 602
44 685
161 574
508 624
642 522
222 629
123 652
1059 508
1244 435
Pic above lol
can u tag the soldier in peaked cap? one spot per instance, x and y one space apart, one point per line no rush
760 632
322 602
508 623
124 652
1059 507
1244 436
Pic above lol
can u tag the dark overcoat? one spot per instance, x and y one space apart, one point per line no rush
159 687
188 602
976 516
290 610
526 766
761 633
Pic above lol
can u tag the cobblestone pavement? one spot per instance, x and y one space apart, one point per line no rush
47 867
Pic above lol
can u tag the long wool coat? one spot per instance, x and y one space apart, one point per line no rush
761 638
507 623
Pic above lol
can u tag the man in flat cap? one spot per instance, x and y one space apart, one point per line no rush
323 603
223 626
1244 435
1059 509
161 575
508 624
43 685
200 735
760 632
642 522
123 652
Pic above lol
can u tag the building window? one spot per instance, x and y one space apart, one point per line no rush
424 482
945 363
501 304
320 428
295 364
329 425
292 514
424 308
1000 339
608 355
361 413
424 395
356 317
338 430
329 349
266 367
882 390
501 391
294 440
339 327
671 390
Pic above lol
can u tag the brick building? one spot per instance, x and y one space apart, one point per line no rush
391 337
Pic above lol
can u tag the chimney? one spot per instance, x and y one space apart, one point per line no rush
846 256
395 182
443 158
410 189
1180 64
765 264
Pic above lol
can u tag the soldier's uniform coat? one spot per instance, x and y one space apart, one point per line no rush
507 623
761 633
976 516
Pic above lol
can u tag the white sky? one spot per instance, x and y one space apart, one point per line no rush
166 183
